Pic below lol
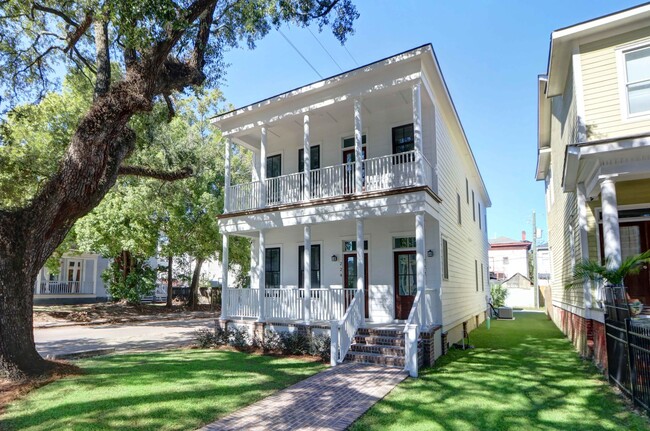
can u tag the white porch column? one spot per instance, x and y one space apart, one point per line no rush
306 160
224 277
419 262
361 263
306 275
584 245
611 232
358 150
261 261
226 195
417 134
263 167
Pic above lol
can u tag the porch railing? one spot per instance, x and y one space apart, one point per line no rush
411 335
65 288
288 304
343 332
379 173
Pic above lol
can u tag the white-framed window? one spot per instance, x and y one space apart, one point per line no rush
445 260
634 71
506 260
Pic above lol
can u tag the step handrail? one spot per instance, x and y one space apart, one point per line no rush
343 331
411 336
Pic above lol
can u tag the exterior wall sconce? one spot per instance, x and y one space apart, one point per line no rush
334 258
430 253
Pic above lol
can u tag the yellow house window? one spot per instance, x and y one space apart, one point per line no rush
637 80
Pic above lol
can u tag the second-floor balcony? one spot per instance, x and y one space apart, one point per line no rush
390 172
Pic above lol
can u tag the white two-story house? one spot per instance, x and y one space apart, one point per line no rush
366 211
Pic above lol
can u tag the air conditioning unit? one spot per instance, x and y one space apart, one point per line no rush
505 313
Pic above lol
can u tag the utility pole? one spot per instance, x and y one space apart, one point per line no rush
535 285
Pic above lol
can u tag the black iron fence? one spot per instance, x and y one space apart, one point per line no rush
628 348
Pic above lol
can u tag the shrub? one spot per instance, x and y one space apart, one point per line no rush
238 338
132 284
321 346
499 295
295 343
205 338
272 342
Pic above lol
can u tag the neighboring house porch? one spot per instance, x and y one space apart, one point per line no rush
77 281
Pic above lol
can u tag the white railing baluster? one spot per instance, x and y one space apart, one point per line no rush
380 173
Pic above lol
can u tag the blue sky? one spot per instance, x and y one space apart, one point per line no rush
490 52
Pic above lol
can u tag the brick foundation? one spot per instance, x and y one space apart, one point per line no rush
428 346
587 335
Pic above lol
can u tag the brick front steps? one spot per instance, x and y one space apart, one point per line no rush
381 347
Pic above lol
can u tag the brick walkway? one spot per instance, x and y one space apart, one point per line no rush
330 400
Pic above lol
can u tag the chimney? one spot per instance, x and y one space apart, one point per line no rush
523 235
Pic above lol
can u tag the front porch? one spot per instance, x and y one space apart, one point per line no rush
344 276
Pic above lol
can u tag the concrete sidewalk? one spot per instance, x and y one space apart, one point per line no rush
331 400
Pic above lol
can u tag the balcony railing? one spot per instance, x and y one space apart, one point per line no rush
65 288
288 304
379 173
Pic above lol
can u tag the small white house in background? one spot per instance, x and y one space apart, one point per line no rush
77 282
508 257
366 212
543 266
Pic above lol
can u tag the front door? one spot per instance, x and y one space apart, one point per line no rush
73 276
405 283
635 239
350 276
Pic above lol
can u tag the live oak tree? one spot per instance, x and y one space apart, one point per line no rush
162 47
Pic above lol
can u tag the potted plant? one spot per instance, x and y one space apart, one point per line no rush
612 276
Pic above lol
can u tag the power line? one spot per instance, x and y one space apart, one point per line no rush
300 54
351 56
325 49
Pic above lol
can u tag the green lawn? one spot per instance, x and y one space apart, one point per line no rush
522 375
178 390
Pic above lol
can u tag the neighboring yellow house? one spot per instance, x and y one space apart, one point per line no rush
594 156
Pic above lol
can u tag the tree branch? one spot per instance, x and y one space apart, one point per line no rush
74 36
102 59
56 12
202 37
171 112
143 171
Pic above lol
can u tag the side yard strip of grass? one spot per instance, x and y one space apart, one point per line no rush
177 390
522 375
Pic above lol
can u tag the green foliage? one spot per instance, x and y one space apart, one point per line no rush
499 295
35 41
33 139
590 270
139 281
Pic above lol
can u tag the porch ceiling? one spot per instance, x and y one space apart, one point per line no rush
621 160
337 115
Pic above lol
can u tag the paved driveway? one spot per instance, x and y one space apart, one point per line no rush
131 336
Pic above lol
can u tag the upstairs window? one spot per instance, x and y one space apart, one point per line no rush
403 140
637 80
314 158
460 217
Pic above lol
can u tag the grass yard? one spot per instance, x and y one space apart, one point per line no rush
522 375
178 390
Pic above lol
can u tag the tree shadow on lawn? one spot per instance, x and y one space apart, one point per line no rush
530 381
174 390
